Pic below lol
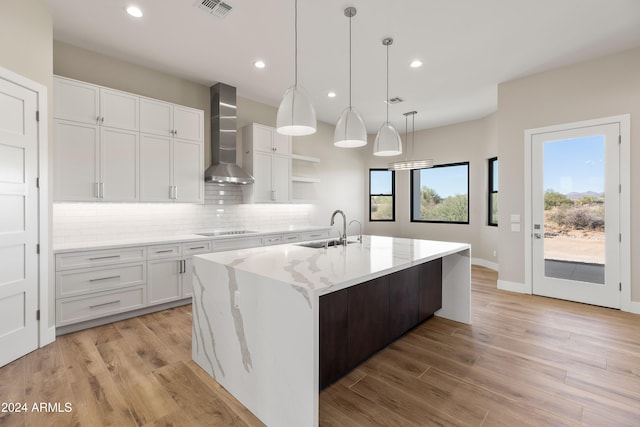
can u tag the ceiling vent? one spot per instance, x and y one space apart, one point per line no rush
215 7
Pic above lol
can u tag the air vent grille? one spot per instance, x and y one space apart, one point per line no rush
215 7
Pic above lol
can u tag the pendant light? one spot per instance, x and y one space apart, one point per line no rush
388 142
296 116
350 131
408 163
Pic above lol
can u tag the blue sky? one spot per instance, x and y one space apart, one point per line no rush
446 181
574 165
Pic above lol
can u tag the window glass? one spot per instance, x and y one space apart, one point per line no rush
492 203
381 195
441 194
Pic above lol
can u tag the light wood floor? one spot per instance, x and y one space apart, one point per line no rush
526 360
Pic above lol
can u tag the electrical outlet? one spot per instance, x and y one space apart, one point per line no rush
495 253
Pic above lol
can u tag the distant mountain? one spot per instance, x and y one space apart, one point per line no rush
574 195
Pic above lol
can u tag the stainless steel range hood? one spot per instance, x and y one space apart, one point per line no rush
223 169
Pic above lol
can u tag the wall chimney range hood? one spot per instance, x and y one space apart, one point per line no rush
223 169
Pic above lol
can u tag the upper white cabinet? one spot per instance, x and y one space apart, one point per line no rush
267 156
171 169
165 119
86 103
116 146
94 163
267 140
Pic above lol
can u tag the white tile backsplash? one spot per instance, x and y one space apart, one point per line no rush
222 210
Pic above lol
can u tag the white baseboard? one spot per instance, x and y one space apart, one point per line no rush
484 263
634 307
47 336
513 287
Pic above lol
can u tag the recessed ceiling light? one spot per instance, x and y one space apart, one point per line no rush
331 94
416 63
259 64
134 11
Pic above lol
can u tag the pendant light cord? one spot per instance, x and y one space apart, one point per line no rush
387 82
296 43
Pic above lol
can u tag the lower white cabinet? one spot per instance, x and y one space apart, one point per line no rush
92 285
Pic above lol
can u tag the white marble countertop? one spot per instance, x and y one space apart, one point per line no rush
158 240
320 271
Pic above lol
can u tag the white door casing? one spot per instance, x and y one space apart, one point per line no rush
615 292
19 260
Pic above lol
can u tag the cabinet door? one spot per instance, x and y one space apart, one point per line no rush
76 151
281 143
188 123
156 117
163 280
155 168
404 293
262 173
119 165
262 138
76 101
281 178
119 109
368 307
430 288
188 173
333 337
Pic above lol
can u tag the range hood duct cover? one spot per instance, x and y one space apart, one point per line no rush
223 169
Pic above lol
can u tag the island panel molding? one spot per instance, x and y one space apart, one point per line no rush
256 313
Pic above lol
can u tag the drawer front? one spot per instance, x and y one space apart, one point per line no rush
78 309
229 244
193 248
290 238
275 239
163 251
314 235
97 258
75 282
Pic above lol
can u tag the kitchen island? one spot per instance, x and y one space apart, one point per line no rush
257 313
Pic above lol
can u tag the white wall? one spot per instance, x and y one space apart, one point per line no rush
474 142
602 87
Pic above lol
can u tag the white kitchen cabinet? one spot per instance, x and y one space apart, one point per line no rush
268 158
119 147
171 169
171 270
166 119
87 103
94 163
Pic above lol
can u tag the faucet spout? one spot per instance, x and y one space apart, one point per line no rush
343 237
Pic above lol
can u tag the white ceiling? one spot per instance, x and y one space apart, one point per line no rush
468 47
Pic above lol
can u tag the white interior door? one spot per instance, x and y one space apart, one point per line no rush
18 221
575 190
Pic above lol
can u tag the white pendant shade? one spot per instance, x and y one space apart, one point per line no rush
350 131
296 115
388 142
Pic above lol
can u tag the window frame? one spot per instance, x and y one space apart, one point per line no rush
425 221
491 162
393 195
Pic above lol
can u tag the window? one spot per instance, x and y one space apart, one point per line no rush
382 201
492 203
441 194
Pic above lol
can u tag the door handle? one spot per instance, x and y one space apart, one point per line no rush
537 235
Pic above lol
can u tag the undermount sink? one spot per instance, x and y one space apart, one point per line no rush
322 243
226 233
